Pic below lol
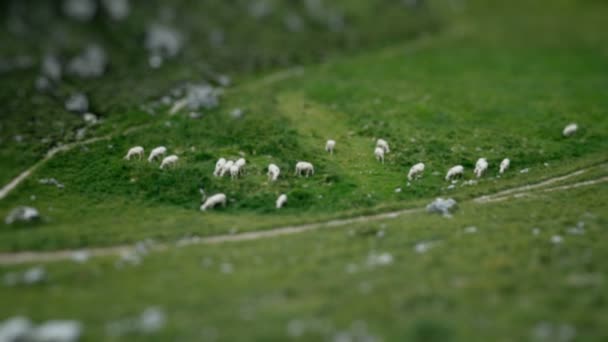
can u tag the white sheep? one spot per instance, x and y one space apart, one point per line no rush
273 172
330 145
383 144
415 171
169 161
241 165
481 167
281 201
212 201
304 167
218 166
454 172
135 151
226 168
379 153
157 152
570 129
504 165
235 170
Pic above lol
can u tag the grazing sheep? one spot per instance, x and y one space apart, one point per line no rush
330 145
218 167
226 168
241 164
306 168
281 201
379 153
383 144
212 201
135 151
169 161
157 152
454 172
570 130
415 171
504 165
273 172
481 167
235 170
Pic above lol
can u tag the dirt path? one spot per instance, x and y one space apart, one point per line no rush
513 193
8 188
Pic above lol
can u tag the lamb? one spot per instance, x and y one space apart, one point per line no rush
226 168
415 171
383 144
241 165
504 165
157 152
218 166
135 151
379 153
454 172
212 201
304 167
273 172
570 130
481 167
169 161
281 201
330 145
235 171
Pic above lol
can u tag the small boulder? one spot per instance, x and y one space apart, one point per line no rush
442 206
22 214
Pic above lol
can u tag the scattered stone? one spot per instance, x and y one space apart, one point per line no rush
398 190
90 118
423 247
381 259
81 10
22 214
32 276
155 61
150 321
202 96
236 113
226 268
162 41
442 206
579 229
42 84
524 171
549 332
81 256
556 239
259 9
117 9
224 80
293 22
470 230
51 181
535 231
194 115
90 63
57 331
15 329
77 103
81 133
50 67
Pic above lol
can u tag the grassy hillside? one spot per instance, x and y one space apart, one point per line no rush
501 281
442 100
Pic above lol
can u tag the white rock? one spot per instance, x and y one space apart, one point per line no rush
57 331
442 206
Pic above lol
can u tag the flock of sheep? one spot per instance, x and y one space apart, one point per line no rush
236 168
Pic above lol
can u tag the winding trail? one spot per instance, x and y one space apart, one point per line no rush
513 193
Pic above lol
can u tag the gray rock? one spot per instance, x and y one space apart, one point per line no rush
57 331
117 9
202 96
50 181
78 103
22 214
81 10
90 63
51 67
15 329
163 41
442 206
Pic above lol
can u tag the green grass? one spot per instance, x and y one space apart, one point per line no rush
497 284
443 100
